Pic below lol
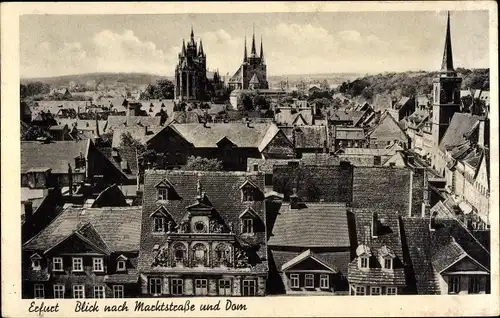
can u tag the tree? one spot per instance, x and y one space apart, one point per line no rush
261 102
162 89
202 164
245 102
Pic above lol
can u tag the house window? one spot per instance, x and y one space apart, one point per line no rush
224 287
364 262
474 285
120 265
155 286
454 285
248 194
391 291
58 291
201 287
223 254
99 292
388 263
360 290
57 264
39 291
177 286
247 226
98 264
78 291
377 160
249 288
324 282
294 281
163 194
77 264
159 224
118 291
375 291
35 264
309 281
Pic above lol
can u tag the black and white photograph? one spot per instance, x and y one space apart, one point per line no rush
255 154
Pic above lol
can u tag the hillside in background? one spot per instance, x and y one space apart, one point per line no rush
108 79
409 83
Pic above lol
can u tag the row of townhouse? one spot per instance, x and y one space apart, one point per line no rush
226 234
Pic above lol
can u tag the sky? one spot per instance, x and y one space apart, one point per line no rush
294 43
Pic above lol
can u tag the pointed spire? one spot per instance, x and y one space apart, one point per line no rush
183 48
201 53
245 57
261 50
192 33
253 53
447 64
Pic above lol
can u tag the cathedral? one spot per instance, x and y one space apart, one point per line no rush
192 80
252 74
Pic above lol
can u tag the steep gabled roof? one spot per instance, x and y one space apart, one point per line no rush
319 225
460 124
303 256
118 227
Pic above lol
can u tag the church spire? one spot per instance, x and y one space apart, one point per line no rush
253 53
192 33
245 57
183 48
447 64
261 51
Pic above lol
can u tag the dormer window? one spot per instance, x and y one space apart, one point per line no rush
249 191
35 262
165 190
363 262
388 263
162 194
121 263
247 226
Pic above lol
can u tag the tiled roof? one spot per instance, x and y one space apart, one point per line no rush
287 115
310 136
387 236
54 155
314 183
243 136
127 154
342 115
185 117
132 121
460 124
434 251
139 133
118 227
349 133
222 191
319 225
237 76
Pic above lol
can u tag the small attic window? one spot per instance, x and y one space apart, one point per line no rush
35 262
165 190
248 194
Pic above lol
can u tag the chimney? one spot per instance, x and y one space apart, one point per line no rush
145 130
205 124
432 224
481 137
367 234
28 210
294 199
70 179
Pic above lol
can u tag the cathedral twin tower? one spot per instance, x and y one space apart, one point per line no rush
194 82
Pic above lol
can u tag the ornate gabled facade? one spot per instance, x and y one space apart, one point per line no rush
192 80
252 74
203 234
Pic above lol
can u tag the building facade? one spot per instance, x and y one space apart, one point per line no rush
203 234
192 80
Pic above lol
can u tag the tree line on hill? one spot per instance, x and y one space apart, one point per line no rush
409 83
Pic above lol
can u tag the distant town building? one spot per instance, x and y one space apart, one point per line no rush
192 80
252 74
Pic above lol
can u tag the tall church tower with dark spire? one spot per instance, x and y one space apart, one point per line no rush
252 74
446 91
191 81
